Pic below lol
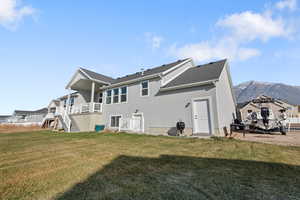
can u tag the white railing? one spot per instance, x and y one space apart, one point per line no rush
86 108
66 118
75 109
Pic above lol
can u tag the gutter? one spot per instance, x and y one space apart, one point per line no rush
189 85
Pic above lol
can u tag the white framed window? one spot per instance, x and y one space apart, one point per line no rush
115 121
52 110
145 88
116 95
108 97
100 98
72 100
123 94
65 103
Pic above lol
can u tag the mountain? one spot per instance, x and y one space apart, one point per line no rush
251 89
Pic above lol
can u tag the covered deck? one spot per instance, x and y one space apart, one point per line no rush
89 84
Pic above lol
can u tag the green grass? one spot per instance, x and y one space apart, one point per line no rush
46 165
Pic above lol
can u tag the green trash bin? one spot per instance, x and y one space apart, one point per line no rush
99 128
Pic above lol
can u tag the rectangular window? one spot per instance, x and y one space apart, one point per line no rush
115 121
72 100
108 97
145 88
65 103
116 95
123 94
52 110
100 99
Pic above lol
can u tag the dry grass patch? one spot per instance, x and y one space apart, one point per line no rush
9 128
47 165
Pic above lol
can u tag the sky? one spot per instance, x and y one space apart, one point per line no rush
43 43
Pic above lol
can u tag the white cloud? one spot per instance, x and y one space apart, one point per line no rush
154 40
207 50
12 12
237 31
287 4
250 26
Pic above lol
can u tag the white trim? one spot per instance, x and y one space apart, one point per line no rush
176 66
143 120
141 88
176 75
112 95
74 75
93 92
189 85
209 99
114 115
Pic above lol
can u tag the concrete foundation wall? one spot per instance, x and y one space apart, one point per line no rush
86 122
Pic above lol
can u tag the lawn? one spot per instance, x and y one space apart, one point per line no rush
46 165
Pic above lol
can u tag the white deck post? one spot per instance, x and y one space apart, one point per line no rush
92 96
68 101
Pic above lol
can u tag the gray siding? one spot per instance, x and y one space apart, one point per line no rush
225 99
161 109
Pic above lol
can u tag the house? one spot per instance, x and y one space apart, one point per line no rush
4 118
151 101
265 101
28 117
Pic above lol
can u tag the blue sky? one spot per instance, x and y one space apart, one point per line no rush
42 43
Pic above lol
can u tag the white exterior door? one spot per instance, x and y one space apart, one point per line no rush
137 122
201 116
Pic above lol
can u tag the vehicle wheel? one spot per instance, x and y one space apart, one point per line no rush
282 130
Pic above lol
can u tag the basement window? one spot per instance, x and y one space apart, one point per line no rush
115 121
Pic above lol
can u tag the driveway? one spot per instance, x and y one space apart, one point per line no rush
291 139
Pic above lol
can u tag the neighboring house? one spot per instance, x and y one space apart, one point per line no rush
4 118
28 117
152 101
274 104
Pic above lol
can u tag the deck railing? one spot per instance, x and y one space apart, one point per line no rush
86 108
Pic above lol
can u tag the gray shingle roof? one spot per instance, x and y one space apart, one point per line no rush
97 76
74 94
199 73
148 72
5 116
26 112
